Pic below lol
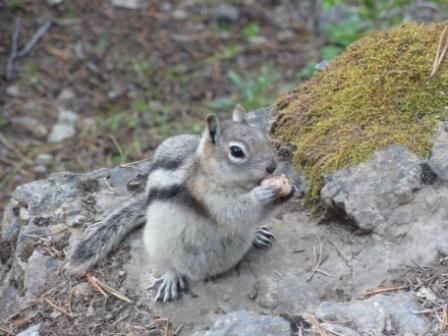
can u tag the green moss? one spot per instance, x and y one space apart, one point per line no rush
376 93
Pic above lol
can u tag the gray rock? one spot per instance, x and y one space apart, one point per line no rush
34 330
34 126
370 191
166 7
66 94
180 14
65 128
246 323
54 2
82 290
381 314
60 132
438 160
286 35
43 159
130 4
322 65
257 40
13 91
39 169
37 271
68 117
226 13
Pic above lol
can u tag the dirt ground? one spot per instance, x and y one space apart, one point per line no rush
138 75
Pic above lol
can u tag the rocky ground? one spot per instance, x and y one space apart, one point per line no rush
381 271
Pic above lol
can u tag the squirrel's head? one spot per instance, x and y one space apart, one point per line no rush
236 153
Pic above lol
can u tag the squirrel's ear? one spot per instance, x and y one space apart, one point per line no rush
239 114
213 127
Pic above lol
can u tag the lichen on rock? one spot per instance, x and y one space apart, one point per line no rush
379 92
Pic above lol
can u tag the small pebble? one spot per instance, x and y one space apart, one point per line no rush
43 159
129 4
82 289
226 13
13 91
66 95
61 132
54 2
40 169
180 14
285 35
68 116
321 65
166 7
257 40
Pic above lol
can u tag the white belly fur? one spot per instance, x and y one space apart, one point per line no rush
193 246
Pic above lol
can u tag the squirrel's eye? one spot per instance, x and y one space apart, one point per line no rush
236 152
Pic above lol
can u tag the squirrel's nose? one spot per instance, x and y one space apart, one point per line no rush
272 166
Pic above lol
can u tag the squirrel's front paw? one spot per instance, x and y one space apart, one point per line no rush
265 195
263 237
169 286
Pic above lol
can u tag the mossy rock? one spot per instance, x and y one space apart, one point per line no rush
378 92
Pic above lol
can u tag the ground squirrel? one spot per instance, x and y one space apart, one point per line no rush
203 205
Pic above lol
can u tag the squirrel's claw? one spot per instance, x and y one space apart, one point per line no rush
263 238
170 283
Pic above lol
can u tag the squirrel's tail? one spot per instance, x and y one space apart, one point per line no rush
103 236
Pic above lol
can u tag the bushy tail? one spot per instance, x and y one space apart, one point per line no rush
102 237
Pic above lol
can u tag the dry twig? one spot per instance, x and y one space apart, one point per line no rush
30 304
132 164
440 53
56 307
381 290
91 280
319 259
444 322
70 299
316 325
103 288
28 47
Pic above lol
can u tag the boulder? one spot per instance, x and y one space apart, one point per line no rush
369 192
379 315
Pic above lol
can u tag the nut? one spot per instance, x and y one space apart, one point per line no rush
278 181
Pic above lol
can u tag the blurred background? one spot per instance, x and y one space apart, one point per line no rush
96 83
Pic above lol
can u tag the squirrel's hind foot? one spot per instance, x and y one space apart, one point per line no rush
170 284
263 238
